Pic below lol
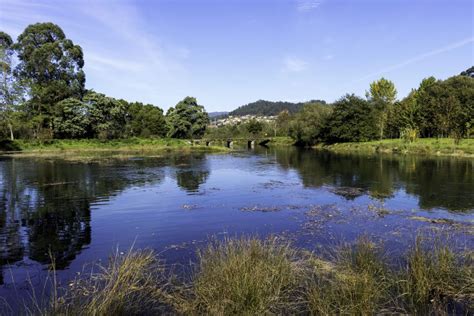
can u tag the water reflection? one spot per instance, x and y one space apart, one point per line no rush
438 182
45 205
191 171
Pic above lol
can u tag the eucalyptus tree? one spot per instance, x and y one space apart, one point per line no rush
50 65
10 91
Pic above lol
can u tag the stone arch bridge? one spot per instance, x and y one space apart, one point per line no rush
229 142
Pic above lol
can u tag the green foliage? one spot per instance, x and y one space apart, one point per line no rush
107 115
353 120
308 125
254 127
187 119
382 95
382 91
468 72
447 107
51 67
145 120
269 108
71 119
10 90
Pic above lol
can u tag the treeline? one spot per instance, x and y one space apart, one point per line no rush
43 96
437 108
269 108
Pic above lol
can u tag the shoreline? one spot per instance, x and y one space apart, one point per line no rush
428 147
92 147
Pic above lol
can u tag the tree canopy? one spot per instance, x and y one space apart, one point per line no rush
187 119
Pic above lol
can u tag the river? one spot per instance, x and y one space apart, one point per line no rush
79 211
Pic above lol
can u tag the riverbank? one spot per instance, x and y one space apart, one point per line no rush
85 147
422 146
249 276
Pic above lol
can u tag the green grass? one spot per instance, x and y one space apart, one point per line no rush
244 276
281 141
424 146
249 276
64 146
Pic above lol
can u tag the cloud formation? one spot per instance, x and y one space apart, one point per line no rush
418 58
307 5
293 64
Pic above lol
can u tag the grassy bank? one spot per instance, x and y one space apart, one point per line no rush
251 277
64 146
424 146
281 141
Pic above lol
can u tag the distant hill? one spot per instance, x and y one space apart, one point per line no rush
217 114
269 108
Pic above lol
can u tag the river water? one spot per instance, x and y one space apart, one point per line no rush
79 211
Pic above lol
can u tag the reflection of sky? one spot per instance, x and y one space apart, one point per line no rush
241 194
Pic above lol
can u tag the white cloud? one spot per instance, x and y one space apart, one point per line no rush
418 58
307 5
99 62
292 64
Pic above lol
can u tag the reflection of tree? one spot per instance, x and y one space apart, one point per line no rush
441 182
45 205
438 182
191 171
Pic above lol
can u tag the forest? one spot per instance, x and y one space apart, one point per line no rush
43 97
270 108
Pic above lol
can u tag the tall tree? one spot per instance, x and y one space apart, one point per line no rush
308 125
353 120
51 67
10 91
382 94
108 116
71 119
187 119
145 120
448 107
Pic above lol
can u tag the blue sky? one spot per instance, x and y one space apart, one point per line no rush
228 53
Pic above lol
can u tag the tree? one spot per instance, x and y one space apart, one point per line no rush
448 107
51 67
283 122
254 127
145 120
187 119
71 119
468 72
10 91
107 115
353 120
308 125
382 95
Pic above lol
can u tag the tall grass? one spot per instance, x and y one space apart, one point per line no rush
436 280
245 276
422 146
131 284
359 283
249 276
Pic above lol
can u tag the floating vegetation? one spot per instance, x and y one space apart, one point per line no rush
257 208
